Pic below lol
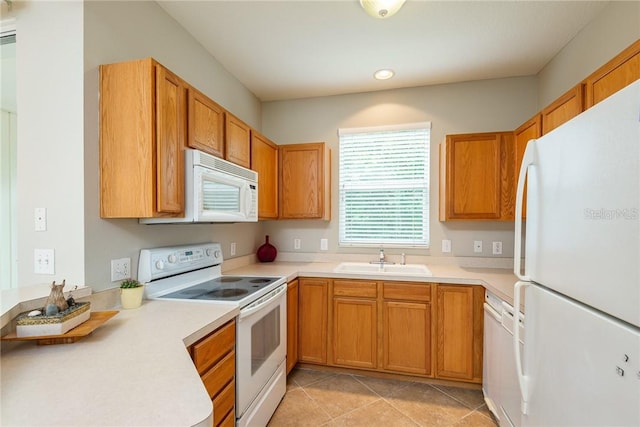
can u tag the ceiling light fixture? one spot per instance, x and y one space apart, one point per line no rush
381 8
383 74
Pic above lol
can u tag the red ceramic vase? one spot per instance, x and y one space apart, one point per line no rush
267 252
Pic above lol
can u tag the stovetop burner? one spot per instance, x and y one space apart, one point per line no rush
227 293
223 288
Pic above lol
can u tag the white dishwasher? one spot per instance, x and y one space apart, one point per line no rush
500 381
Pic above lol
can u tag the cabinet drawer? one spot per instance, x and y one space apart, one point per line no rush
407 291
223 403
229 420
212 348
355 288
217 377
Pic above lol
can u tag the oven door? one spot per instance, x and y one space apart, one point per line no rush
261 345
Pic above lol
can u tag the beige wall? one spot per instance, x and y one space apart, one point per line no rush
482 106
49 47
613 30
119 31
60 45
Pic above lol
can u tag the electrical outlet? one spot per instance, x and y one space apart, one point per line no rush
296 244
44 261
232 251
40 219
324 244
477 246
120 269
446 246
497 248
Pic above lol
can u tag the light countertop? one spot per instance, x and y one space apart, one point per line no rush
135 369
498 281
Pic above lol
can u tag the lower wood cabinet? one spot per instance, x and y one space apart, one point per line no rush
459 327
312 320
355 324
422 329
292 324
406 339
215 359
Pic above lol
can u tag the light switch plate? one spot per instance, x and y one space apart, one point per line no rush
324 244
446 246
44 261
477 246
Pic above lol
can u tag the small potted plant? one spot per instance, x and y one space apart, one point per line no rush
131 293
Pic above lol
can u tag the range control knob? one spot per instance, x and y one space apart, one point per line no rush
209 251
172 259
159 264
216 254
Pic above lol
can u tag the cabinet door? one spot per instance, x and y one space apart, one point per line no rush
459 332
127 174
206 124
477 179
312 320
237 141
621 71
170 137
407 337
292 324
531 129
264 160
563 109
355 332
305 181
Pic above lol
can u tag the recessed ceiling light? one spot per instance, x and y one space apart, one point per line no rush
383 74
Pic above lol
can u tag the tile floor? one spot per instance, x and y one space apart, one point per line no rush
318 398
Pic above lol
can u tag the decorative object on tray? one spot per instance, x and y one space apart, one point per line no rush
131 293
96 320
57 316
267 252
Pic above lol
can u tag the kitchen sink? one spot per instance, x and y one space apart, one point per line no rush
385 269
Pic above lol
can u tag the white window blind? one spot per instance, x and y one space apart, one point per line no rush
384 185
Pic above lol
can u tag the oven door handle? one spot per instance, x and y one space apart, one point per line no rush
262 302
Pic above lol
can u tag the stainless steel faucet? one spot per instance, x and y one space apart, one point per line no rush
402 259
381 257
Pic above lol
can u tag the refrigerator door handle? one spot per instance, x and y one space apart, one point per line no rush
523 380
529 158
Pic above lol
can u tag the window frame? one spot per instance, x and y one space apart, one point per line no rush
412 243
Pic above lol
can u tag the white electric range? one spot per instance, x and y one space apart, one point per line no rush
193 273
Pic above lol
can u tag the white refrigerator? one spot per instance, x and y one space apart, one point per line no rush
580 286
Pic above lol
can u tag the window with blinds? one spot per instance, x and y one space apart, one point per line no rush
384 186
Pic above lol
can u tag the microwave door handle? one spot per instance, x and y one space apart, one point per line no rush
247 199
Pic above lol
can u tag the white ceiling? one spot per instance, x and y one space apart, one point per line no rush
296 49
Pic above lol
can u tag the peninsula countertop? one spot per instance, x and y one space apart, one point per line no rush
132 371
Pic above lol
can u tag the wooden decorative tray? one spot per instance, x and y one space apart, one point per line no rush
82 330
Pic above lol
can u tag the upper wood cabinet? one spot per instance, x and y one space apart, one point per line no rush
531 129
477 177
305 181
563 109
142 137
264 160
459 326
238 141
621 71
206 124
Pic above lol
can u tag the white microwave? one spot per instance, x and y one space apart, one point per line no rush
216 191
